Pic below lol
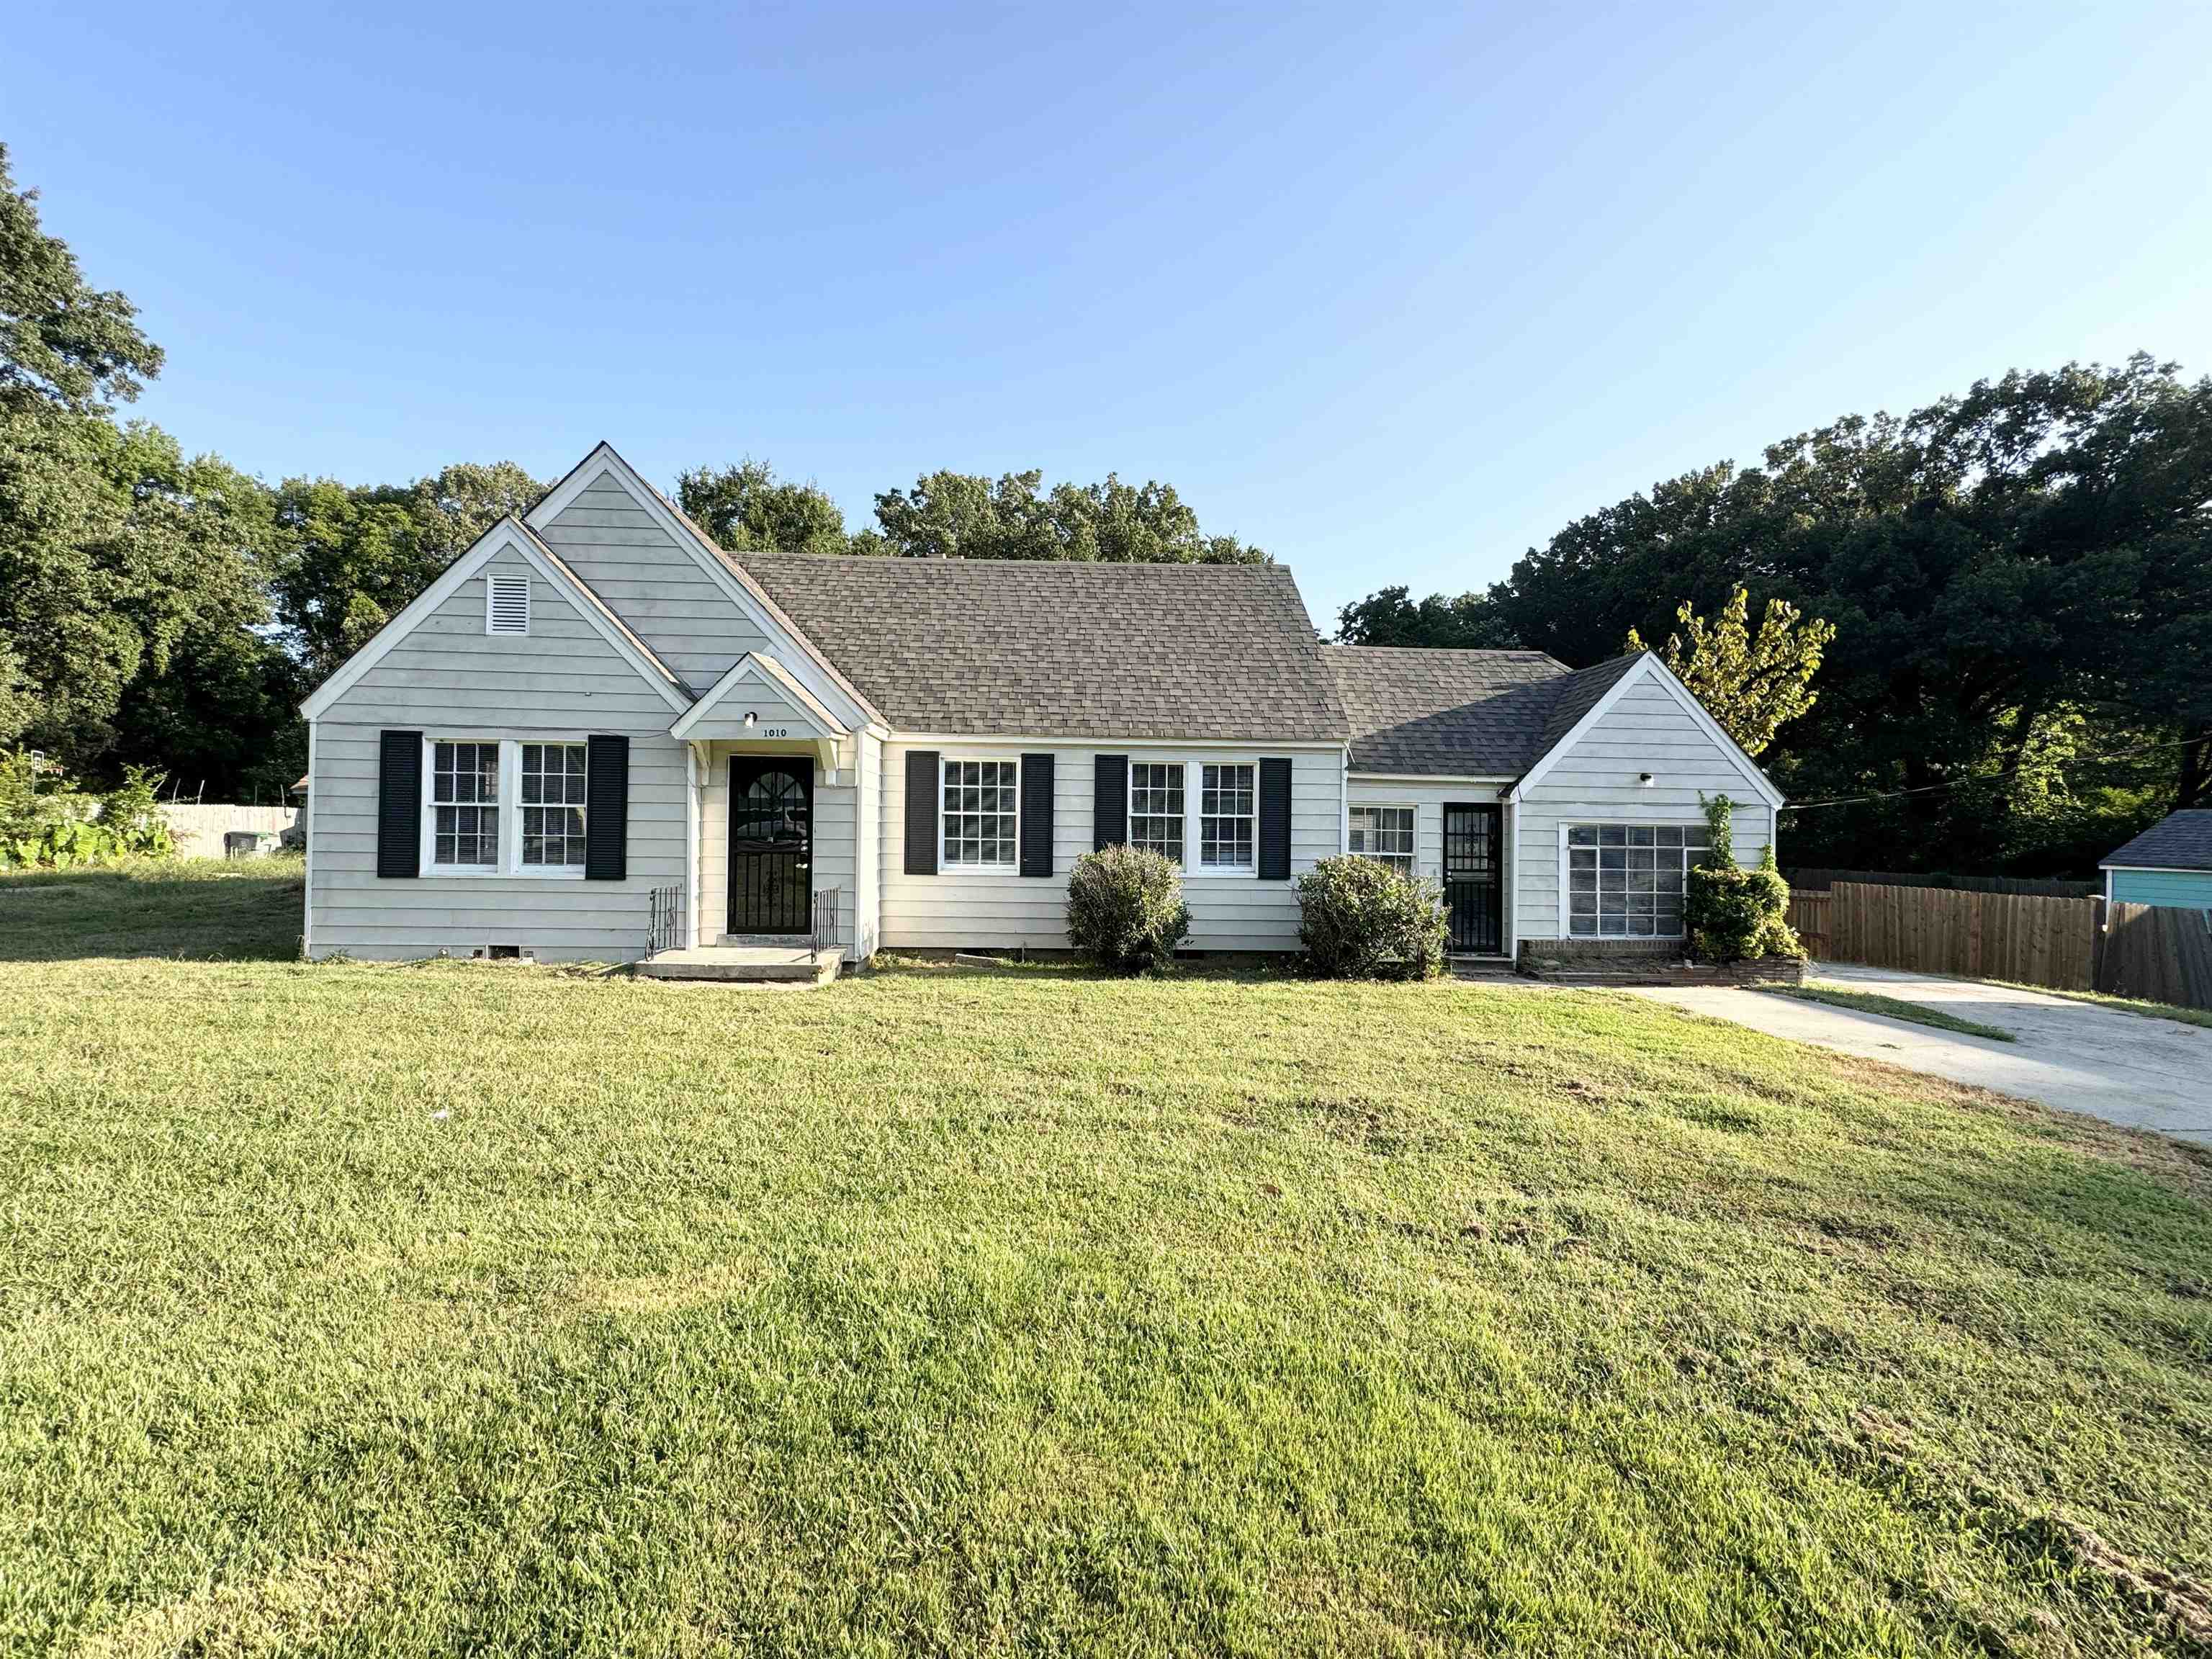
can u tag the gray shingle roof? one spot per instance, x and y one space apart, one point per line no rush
2180 841
1424 713
1067 649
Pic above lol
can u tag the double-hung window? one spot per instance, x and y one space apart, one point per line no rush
1384 833
1226 817
553 778
465 805
981 814
1155 806
1624 880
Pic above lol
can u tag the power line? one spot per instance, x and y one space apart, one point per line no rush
1985 777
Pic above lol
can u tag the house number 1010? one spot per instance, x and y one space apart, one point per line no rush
775 731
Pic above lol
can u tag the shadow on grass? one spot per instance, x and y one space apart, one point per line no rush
201 909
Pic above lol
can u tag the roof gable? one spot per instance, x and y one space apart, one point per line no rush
509 535
800 655
1067 648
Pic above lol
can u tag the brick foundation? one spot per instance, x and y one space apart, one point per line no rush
1645 962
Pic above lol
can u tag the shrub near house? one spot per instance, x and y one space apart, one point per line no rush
1732 913
1360 919
1125 910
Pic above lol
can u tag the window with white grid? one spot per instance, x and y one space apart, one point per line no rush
983 808
1155 806
1384 833
1624 880
1225 816
465 805
553 779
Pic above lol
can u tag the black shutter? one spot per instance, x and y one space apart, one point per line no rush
398 805
1109 802
606 818
1037 814
922 786
1275 819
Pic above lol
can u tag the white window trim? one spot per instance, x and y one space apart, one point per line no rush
1193 815
1412 853
1195 836
946 866
1565 908
510 866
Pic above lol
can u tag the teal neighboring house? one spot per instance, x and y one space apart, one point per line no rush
2169 864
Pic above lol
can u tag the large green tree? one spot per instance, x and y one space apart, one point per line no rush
2020 579
116 550
349 557
1462 621
747 508
958 515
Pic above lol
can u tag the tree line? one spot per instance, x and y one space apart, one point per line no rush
2020 585
2011 591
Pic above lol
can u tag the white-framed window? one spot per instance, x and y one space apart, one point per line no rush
1227 815
464 805
1626 880
1384 833
507 602
553 804
1155 806
980 819
505 807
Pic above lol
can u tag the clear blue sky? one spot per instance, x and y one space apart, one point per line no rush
1393 293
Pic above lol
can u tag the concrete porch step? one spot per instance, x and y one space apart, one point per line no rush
744 964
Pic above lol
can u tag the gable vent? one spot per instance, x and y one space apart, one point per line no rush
507 605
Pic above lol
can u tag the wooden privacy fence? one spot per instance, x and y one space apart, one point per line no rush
1809 915
2151 952
2158 953
1931 930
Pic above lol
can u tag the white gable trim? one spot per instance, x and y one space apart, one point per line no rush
766 671
1649 666
505 536
1598 710
1713 729
604 463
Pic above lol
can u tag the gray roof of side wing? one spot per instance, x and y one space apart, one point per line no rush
1419 713
2180 841
1066 648
1427 713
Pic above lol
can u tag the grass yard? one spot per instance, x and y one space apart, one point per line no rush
409 1310
1873 1002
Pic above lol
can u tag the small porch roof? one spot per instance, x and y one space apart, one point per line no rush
757 694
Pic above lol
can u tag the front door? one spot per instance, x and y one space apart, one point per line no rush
1474 877
771 844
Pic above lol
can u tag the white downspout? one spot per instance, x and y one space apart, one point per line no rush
691 844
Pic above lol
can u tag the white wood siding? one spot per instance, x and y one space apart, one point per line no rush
963 911
1428 800
1596 782
834 864
653 584
448 678
868 847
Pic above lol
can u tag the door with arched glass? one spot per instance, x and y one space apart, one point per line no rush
771 844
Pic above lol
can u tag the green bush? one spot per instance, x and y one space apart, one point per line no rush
1729 912
1125 910
1360 919
46 822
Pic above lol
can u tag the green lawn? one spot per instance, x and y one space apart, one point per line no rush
1873 1002
379 1310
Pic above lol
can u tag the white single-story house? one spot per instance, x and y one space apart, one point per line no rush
597 733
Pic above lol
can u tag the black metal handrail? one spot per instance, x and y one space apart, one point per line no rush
825 919
664 920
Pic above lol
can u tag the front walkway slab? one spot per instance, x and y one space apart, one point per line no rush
2144 1073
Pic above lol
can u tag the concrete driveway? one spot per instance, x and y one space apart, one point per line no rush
2144 1074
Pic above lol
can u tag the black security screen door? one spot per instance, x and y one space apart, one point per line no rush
771 845
1474 878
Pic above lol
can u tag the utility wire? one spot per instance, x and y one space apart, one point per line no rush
1985 777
